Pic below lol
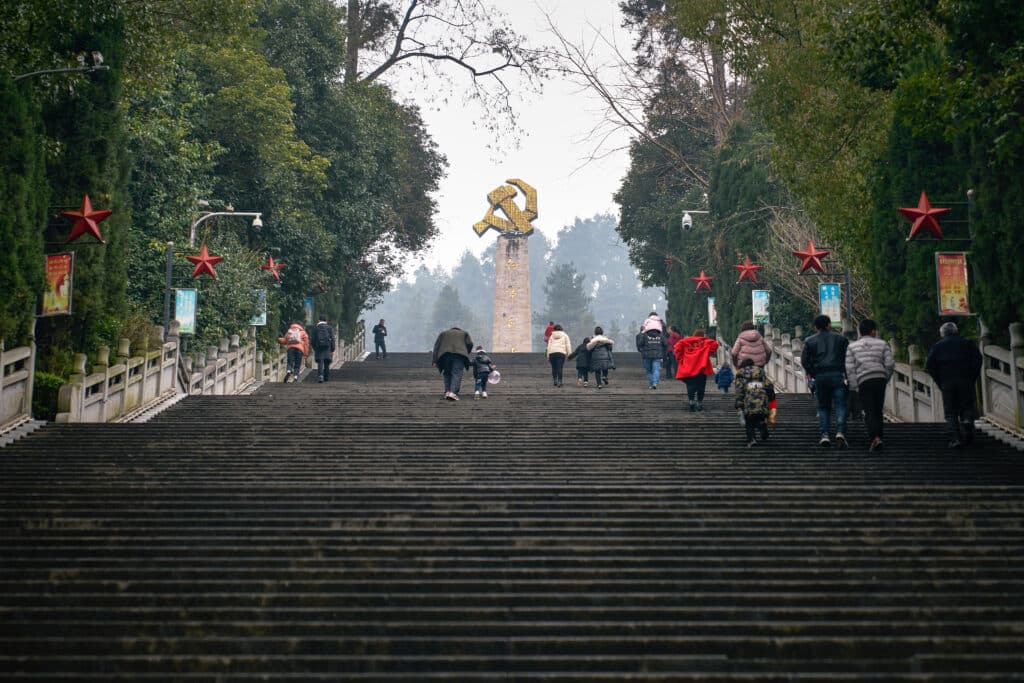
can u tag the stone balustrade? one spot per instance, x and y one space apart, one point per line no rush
16 376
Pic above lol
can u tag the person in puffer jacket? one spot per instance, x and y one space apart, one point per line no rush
750 344
693 356
297 342
601 358
869 365
559 347
651 345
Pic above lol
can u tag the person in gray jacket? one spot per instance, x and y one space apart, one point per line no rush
869 365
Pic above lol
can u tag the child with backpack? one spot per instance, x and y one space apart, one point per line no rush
323 347
482 368
724 377
296 342
755 400
582 357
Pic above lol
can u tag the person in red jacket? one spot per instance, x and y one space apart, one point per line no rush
693 354
297 342
670 366
547 333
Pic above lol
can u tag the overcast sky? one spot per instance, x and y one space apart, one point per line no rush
552 150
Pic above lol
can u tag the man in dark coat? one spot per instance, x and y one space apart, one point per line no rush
380 331
824 358
955 365
451 357
652 347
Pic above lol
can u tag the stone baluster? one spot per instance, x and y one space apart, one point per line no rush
1016 381
102 360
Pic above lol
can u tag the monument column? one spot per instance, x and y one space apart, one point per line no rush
512 311
512 315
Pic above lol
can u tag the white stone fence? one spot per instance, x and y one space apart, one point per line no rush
16 376
912 396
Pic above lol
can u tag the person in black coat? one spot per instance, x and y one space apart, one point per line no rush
379 344
955 365
582 357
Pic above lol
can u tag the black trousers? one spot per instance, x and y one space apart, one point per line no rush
752 422
695 387
379 346
557 361
872 398
959 405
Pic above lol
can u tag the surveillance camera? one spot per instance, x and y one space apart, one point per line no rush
687 222
81 58
257 223
97 58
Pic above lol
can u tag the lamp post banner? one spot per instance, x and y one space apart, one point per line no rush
951 282
830 300
60 270
761 300
185 310
260 300
307 309
712 312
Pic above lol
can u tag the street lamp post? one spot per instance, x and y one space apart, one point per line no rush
687 220
202 216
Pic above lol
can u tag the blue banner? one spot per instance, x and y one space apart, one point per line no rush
830 300
761 300
185 310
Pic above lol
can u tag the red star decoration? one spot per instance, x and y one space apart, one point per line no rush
748 270
811 258
86 220
923 218
273 267
204 263
703 281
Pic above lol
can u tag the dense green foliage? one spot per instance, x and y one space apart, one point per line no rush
23 193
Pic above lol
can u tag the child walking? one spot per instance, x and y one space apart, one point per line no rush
724 377
482 367
755 400
582 357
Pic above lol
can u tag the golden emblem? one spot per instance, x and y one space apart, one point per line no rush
518 221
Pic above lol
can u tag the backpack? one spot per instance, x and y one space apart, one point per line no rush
755 393
322 337
293 336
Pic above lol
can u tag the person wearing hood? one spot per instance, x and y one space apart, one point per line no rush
582 357
750 344
559 348
601 359
451 357
693 354
651 345
296 342
482 368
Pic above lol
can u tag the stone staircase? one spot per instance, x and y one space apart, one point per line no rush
366 530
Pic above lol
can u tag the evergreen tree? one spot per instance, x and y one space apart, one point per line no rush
23 195
449 311
568 302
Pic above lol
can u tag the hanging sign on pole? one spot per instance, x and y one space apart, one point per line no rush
712 312
951 281
260 316
185 310
60 269
830 300
307 308
760 303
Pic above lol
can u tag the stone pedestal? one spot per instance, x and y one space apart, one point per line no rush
512 314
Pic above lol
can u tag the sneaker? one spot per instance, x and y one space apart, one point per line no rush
824 442
654 386
599 386
841 441
693 406
586 384
579 383
700 407
476 394
484 395
876 444
455 397
286 376
953 444
751 443
320 379
449 396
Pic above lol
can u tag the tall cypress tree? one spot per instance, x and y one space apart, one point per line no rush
88 125
23 194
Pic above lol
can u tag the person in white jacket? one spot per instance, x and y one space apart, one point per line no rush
559 347
869 365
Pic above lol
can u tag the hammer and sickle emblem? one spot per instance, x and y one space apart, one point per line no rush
519 220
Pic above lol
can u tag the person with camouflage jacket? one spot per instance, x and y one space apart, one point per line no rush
755 400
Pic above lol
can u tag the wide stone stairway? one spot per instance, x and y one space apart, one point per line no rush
367 530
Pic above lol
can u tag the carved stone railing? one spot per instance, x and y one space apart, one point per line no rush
912 395
112 391
16 377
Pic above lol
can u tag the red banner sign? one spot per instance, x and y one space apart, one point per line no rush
57 295
951 280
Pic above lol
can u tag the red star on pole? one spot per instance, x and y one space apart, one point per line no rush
273 267
86 220
204 263
923 218
748 270
703 281
811 258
